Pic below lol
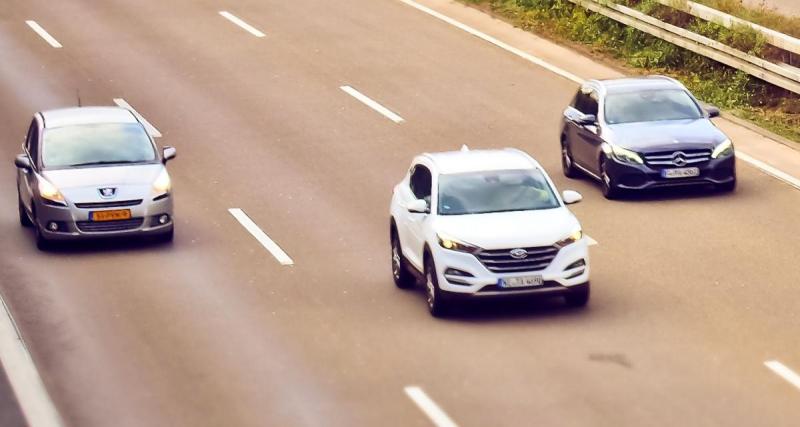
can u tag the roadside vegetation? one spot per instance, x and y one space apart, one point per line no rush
737 92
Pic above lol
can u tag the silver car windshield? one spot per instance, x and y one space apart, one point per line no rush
651 105
495 191
94 145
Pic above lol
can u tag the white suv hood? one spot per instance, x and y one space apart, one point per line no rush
508 230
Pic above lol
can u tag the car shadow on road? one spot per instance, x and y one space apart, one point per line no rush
517 308
674 194
108 245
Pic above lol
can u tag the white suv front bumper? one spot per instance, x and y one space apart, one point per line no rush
556 277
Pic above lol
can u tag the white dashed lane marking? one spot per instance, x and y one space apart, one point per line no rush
244 25
372 104
261 236
44 34
429 407
784 372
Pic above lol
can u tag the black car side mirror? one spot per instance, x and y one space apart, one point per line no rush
587 119
169 153
712 111
23 162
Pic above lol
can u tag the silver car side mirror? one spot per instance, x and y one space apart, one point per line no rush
571 197
169 153
418 206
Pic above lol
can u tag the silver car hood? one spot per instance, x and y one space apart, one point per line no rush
84 184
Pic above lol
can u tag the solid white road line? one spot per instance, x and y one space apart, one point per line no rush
372 104
777 173
32 396
44 34
784 372
261 236
429 407
247 27
505 46
150 128
770 170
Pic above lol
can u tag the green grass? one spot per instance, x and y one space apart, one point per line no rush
737 92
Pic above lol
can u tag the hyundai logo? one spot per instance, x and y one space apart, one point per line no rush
519 253
679 159
107 192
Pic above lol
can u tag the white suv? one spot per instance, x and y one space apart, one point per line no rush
486 223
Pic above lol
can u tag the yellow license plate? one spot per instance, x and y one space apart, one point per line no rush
115 215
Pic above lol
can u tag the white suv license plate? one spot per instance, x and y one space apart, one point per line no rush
521 282
681 173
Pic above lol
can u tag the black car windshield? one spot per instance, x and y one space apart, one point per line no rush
651 105
495 191
99 144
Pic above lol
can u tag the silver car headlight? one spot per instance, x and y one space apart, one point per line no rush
625 155
162 184
50 192
572 238
723 150
455 245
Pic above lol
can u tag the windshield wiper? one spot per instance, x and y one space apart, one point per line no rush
105 162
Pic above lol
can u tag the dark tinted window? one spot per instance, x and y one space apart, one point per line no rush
651 105
32 141
495 191
586 103
421 183
102 144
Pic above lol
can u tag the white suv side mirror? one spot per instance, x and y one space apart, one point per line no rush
418 206
571 197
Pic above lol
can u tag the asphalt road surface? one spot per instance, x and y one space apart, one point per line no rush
693 292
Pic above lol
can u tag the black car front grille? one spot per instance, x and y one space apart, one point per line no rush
501 261
678 158
114 204
104 226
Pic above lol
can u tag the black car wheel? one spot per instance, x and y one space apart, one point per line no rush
567 164
24 219
42 243
610 190
402 277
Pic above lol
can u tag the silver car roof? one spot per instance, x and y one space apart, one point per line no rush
86 116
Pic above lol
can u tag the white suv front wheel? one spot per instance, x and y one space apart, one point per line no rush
436 303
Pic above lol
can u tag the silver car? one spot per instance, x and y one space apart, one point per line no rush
93 172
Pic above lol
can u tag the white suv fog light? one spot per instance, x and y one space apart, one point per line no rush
163 219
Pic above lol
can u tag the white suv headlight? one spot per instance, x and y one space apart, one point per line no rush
572 238
50 192
723 150
456 245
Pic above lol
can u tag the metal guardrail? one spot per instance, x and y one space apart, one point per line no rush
775 38
770 72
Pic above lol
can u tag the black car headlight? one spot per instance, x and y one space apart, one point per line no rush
625 155
723 150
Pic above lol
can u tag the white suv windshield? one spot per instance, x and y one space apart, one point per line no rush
102 144
495 191
650 106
